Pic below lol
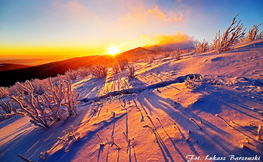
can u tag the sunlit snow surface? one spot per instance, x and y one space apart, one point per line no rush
229 84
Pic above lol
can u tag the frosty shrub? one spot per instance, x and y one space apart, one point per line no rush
7 107
131 72
40 86
4 92
252 33
148 58
259 36
98 71
115 68
166 54
71 74
15 91
6 110
229 37
83 72
123 63
201 47
58 103
177 54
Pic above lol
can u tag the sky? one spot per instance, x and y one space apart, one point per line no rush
72 28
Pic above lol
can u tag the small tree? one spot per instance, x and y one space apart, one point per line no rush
229 37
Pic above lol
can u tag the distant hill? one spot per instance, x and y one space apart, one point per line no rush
137 51
23 72
51 69
8 67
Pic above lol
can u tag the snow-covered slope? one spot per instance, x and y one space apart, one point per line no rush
159 112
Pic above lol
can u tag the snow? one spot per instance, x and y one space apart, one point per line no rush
229 84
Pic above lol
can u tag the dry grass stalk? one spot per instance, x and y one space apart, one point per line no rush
151 121
231 120
173 123
153 131
23 158
200 120
247 140
223 120
159 122
113 143
259 129
42 155
191 119
101 142
229 37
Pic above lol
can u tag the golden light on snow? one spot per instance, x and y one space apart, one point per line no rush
113 50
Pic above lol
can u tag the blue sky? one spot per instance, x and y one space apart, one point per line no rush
84 27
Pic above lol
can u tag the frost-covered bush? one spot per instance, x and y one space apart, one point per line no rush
40 86
229 37
115 68
7 110
260 36
252 33
57 103
131 72
3 92
201 47
166 54
148 58
98 71
177 54
123 62
83 71
15 91
71 74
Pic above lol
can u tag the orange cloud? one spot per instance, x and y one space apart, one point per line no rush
141 16
177 40
170 17
161 39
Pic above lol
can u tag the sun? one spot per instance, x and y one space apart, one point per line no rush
113 50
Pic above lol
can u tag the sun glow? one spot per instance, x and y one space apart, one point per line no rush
113 50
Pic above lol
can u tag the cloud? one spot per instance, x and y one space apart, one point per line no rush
178 39
169 17
142 15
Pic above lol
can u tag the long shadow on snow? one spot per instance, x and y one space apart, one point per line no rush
60 155
209 141
8 121
222 98
30 144
92 87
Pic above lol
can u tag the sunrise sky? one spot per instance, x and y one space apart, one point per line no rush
83 27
